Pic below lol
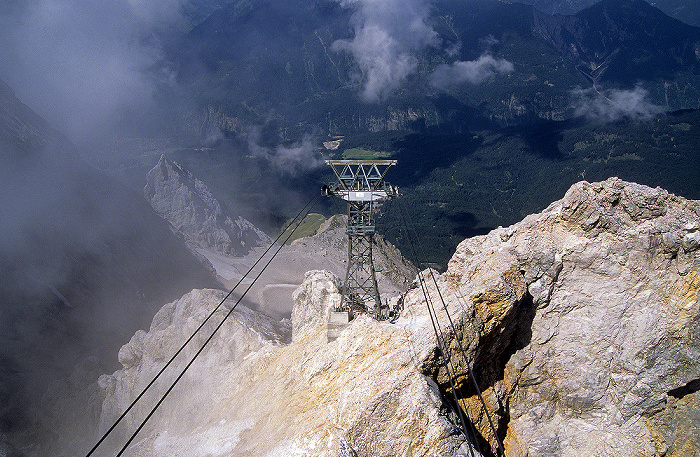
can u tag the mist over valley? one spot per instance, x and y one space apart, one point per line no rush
151 148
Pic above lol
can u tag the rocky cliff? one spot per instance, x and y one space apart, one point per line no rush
190 207
251 395
581 324
585 325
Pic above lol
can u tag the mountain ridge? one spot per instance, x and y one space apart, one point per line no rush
683 10
315 85
188 204
614 56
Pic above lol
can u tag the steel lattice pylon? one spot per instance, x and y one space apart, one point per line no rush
361 184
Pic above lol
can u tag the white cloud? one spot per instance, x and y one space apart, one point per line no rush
388 35
473 71
613 104
290 160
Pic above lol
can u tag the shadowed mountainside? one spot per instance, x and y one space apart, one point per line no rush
84 261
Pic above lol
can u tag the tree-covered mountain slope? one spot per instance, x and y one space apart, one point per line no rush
311 66
623 42
687 11
493 109
472 183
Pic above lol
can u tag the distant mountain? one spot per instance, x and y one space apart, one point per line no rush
84 263
190 207
472 155
284 65
560 101
261 59
687 11
624 42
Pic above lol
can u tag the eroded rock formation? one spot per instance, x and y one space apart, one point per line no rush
585 323
251 395
186 202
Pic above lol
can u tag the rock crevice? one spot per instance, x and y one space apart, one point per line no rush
614 321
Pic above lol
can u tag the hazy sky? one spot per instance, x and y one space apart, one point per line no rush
79 63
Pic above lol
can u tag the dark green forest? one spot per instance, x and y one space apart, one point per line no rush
460 185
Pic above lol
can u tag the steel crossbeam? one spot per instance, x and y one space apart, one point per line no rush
361 184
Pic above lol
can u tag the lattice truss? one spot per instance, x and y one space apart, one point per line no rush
361 184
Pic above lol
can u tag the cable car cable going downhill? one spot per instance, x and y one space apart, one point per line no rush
404 215
444 353
296 220
361 184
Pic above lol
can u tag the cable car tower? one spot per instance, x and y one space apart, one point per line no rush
361 184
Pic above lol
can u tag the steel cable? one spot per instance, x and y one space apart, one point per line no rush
440 340
464 354
172 386
182 347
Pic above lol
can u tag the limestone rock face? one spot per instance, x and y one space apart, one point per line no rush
185 201
582 324
209 379
318 294
361 395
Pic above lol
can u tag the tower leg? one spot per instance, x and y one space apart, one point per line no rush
361 184
345 299
377 299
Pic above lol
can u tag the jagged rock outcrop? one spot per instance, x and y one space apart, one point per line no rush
186 202
318 294
581 324
211 377
249 395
